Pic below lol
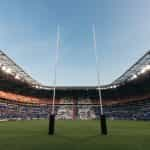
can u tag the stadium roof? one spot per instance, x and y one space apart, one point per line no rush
8 66
136 70
103 87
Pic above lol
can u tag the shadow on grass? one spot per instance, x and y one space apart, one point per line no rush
83 139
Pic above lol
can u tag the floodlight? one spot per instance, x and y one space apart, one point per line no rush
3 68
17 76
36 86
134 77
8 70
114 86
146 68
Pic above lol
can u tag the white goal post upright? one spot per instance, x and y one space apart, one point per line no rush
52 114
102 116
97 69
55 69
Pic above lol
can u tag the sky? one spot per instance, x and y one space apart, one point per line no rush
28 35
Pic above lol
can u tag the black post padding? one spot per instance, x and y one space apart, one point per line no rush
51 124
103 125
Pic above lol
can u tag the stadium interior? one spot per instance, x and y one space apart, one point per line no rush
23 98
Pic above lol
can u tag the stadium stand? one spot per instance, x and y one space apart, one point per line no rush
21 97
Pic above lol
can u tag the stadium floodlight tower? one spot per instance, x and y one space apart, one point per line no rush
102 115
52 113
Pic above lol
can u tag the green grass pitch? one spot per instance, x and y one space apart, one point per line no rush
74 135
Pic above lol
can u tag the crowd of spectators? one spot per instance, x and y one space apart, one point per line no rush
133 110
